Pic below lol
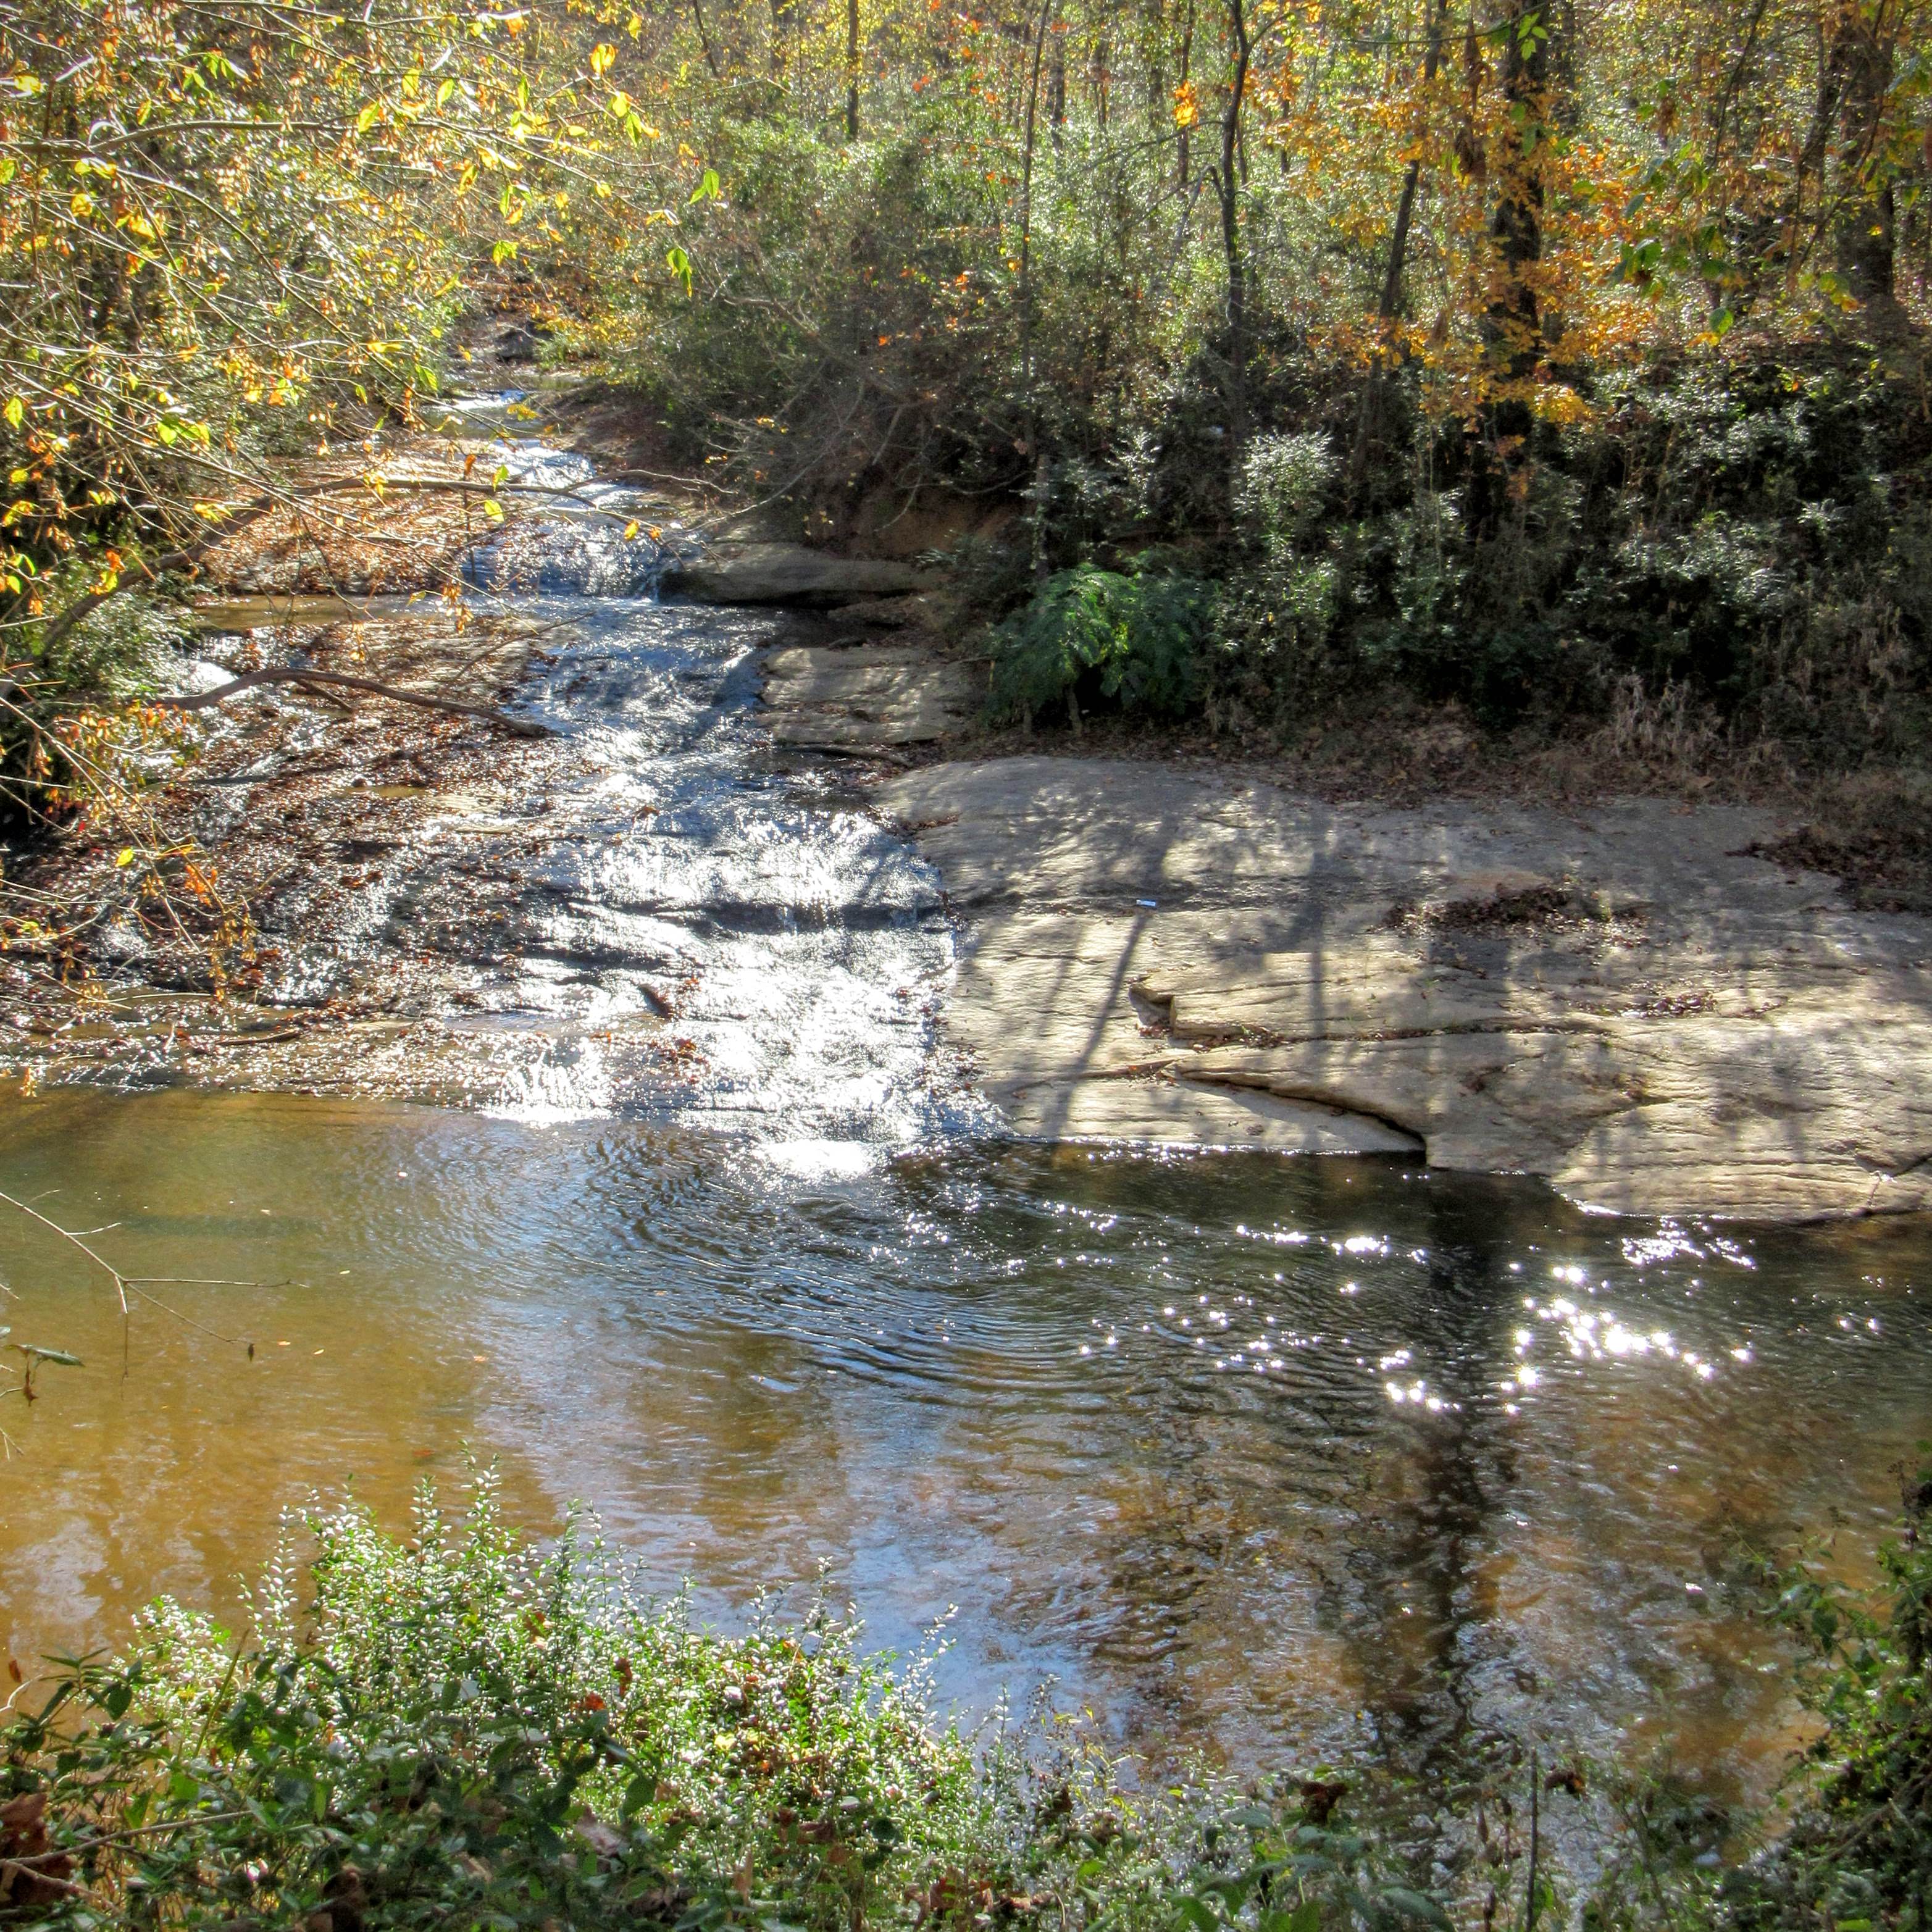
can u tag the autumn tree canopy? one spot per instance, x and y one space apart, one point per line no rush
1499 352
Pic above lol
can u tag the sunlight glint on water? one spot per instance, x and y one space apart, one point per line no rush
1279 1455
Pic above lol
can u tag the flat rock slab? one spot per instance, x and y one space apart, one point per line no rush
784 573
857 697
1620 998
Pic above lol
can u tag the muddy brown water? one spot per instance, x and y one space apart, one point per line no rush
1281 1458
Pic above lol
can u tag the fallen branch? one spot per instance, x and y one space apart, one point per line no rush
200 700
125 1285
234 517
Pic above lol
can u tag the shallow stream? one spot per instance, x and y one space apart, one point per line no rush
1278 1457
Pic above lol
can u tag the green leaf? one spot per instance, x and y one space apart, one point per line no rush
1415 1905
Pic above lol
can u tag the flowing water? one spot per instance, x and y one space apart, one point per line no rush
1275 1457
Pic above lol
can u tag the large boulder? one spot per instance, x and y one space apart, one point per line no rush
1622 998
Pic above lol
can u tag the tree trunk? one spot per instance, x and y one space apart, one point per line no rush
1390 305
851 69
1568 107
1515 322
784 30
704 40
1182 131
1866 227
1035 446
1227 185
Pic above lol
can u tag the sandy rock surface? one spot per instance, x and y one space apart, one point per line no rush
1621 998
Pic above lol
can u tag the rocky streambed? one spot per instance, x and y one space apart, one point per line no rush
1636 999
1639 1000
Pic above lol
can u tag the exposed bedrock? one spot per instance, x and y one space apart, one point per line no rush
1622 998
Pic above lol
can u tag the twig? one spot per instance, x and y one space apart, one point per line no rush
125 1285
116 1837
107 1268
199 700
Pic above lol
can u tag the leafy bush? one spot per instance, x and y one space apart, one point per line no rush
458 1730
1283 485
1752 536
1861 1843
1135 641
1855 1850
70 725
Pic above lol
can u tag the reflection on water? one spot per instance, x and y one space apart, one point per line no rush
1279 1455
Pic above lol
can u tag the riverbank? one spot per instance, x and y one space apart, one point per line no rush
460 1726
1628 998
1657 1004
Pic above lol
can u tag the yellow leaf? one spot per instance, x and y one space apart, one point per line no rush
630 529
125 856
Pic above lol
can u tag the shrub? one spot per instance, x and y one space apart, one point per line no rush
460 1730
1133 640
70 724
1283 486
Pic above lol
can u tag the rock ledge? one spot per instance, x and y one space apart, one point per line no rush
1619 999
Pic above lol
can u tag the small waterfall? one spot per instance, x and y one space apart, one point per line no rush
592 538
689 931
